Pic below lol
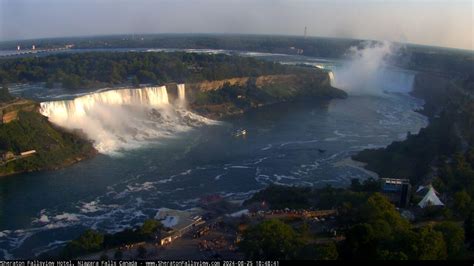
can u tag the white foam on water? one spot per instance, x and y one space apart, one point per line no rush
368 71
70 217
298 142
269 146
51 246
239 167
280 177
92 206
124 119
217 177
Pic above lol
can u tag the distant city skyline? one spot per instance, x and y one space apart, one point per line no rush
447 23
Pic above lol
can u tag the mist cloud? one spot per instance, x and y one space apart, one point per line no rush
368 71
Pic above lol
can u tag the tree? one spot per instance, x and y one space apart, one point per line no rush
462 203
89 241
71 81
391 255
453 236
5 95
379 232
469 226
355 184
431 245
150 227
359 242
379 208
271 239
135 81
146 77
304 229
327 251
470 156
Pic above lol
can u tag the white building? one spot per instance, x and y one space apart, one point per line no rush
430 199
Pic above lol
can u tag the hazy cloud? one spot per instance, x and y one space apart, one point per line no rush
443 23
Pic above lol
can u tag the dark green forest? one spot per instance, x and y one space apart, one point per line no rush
451 118
372 226
92 241
32 131
96 69
426 58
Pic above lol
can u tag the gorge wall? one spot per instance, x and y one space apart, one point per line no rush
241 81
222 98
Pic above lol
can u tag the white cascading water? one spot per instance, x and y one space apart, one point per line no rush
124 118
181 92
153 96
331 79
368 72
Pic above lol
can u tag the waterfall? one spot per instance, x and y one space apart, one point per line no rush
117 120
181 92
384 79
153 96
368 70
331 79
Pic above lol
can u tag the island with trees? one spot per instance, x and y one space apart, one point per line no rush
29 142
218 86
363 223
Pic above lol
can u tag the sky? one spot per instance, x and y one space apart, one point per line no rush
447 23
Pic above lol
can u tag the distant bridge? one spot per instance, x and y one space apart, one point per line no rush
31 51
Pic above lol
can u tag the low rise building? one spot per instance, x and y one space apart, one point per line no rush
397 191
27 153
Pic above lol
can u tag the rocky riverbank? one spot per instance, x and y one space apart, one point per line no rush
224 98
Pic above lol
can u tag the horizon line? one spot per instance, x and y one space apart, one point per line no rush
233 34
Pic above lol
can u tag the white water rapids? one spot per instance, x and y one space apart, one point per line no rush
124 118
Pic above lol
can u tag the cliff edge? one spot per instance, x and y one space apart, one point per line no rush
29 142
222 98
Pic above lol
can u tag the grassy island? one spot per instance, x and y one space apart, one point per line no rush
29 142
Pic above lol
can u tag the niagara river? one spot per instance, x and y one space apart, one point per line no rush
155 154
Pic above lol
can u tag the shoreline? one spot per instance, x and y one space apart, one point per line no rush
297 87
87 151
349 162
434 91
68 162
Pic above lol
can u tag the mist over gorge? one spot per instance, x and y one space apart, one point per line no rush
367 71
140 131
289 128
129 118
